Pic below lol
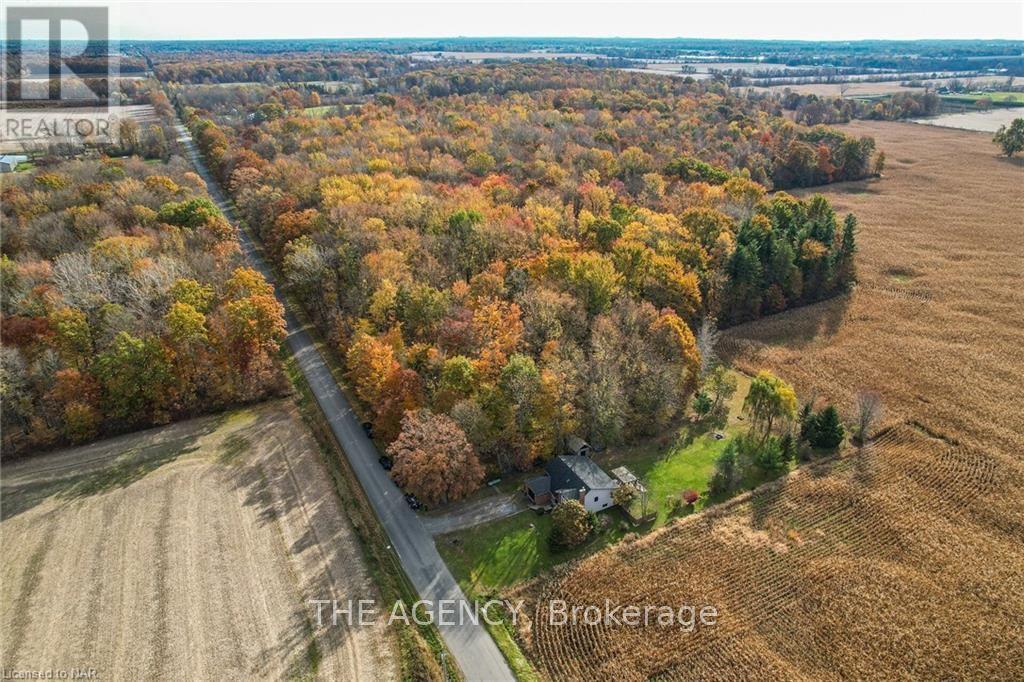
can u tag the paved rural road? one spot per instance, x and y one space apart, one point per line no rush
476 653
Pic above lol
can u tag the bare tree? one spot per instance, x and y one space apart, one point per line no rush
869 412
707 341
843 87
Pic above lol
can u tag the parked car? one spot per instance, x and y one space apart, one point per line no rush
412 501
368 429
386 462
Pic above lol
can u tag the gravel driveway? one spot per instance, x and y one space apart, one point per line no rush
496 506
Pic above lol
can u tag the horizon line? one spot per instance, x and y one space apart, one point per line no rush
562 37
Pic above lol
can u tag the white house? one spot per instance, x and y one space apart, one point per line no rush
573 477
8 162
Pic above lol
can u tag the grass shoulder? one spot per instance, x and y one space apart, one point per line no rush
419 647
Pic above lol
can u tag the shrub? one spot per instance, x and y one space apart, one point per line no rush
726 475
623 495
571 524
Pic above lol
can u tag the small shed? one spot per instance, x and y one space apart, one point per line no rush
538 490
574 445
627 477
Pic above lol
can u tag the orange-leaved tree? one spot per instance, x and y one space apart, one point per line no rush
433 459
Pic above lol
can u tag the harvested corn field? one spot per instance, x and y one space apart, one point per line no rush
904 557
936 323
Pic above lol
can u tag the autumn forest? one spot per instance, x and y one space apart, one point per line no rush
126 303
527 250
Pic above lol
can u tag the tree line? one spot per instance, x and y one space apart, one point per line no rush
814 109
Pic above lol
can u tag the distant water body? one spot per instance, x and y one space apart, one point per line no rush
985 121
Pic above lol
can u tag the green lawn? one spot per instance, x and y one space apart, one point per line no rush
667 472
668 467
321 112
502 553
685 462
1013 98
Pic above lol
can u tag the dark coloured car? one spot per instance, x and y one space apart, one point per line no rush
368 429
386 463
412 501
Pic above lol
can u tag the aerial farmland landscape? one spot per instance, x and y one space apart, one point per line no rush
426 341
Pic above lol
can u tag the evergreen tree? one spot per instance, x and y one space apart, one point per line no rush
807 422
726 475
702 404
769 454
828 432
845 271
787 445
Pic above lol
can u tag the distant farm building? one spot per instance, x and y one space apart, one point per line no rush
8 162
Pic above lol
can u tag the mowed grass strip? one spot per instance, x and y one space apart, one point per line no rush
1015 98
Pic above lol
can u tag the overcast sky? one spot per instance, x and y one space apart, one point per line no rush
821 20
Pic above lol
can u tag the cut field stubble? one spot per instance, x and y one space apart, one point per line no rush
184 552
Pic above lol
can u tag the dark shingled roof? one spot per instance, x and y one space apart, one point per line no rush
576 471
540 485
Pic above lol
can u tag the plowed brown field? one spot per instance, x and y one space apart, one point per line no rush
186 552
904 559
